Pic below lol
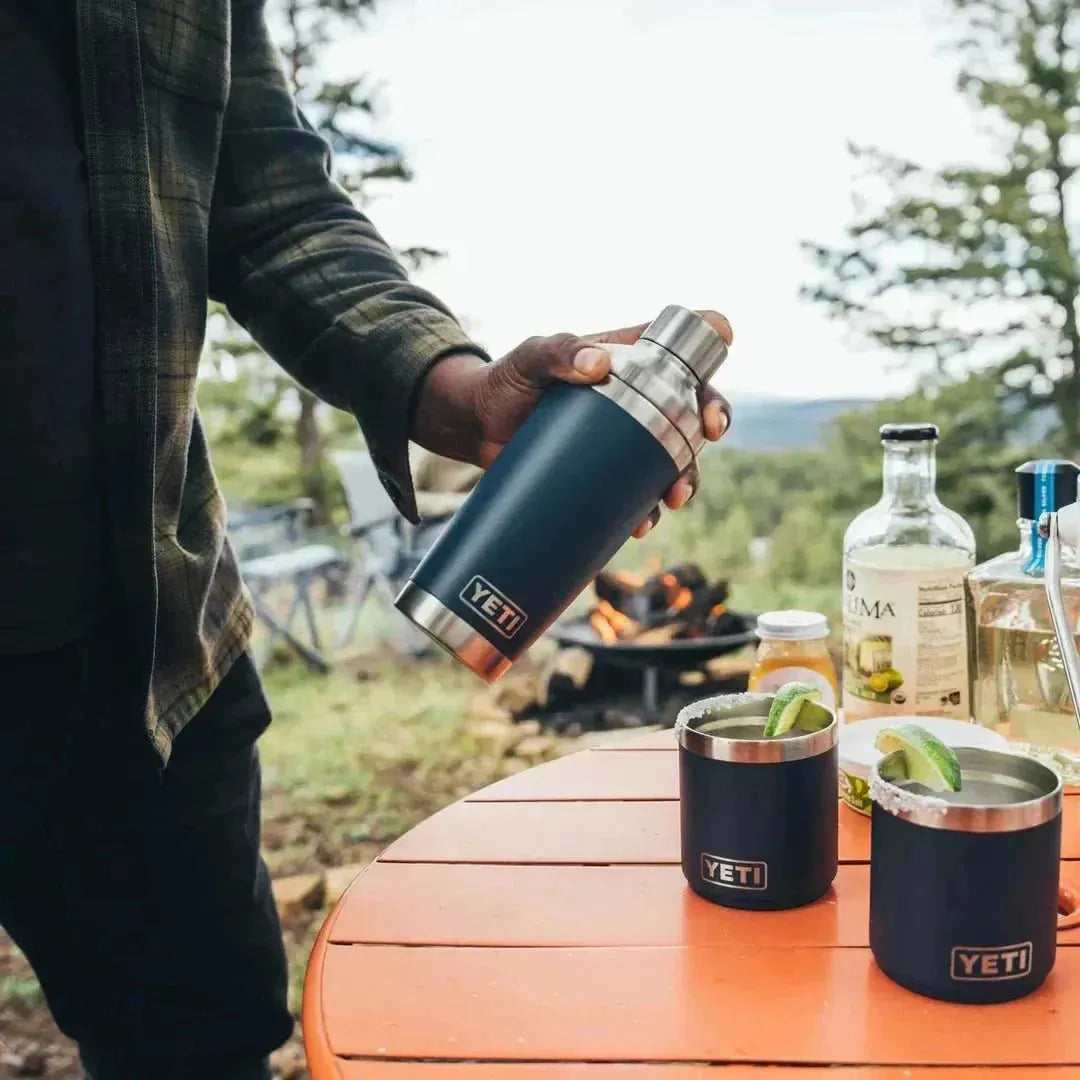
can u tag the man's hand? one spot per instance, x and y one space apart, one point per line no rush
469 410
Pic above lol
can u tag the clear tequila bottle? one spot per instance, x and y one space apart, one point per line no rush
905 560
1018 682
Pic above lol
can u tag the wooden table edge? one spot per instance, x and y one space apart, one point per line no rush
321 1059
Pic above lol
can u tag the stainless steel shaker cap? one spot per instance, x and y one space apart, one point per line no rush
690 338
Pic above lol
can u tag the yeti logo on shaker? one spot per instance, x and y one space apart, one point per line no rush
982 964
734 873
493 607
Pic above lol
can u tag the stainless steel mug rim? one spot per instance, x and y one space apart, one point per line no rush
954 815
747 751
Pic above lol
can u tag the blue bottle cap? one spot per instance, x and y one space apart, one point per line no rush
1043 486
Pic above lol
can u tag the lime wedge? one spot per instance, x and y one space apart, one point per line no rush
796 705
927 760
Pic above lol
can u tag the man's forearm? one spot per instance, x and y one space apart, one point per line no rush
307 273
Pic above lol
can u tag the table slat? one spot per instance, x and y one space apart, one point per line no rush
600 776
382 1070
803 1006
463 904
590 833
592 776
653 740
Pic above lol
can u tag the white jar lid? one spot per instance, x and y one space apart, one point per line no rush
792 625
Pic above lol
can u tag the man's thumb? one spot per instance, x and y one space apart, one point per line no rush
562 357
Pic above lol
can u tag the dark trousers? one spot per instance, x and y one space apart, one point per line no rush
139 897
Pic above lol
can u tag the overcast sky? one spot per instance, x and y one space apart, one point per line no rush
585 162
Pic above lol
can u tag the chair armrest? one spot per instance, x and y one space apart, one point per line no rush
357 531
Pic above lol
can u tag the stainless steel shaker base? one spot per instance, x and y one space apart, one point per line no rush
451 632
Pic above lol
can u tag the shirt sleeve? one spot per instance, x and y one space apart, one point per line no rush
306 273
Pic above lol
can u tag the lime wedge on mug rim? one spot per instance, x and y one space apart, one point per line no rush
927 760
796 705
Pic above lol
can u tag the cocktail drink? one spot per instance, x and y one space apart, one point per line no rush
964 883
758 811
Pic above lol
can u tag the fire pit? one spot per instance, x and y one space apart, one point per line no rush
675 621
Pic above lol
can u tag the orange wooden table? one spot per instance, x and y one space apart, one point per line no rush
542 929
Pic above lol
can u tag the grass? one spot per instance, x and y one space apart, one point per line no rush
357 757
21 992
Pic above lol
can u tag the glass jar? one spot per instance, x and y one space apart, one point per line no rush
793 649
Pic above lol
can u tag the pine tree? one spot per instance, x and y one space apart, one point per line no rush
979 265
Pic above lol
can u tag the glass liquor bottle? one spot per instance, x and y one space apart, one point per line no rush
1018 682
905 560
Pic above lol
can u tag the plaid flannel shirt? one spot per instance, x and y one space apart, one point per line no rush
205 181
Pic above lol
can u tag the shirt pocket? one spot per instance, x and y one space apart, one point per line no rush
184 46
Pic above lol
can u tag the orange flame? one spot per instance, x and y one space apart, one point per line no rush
682 599
610 623
679 596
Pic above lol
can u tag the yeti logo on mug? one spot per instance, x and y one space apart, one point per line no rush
493 607
993 964
734 873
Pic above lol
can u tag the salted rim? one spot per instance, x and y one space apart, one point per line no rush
934 812
715 745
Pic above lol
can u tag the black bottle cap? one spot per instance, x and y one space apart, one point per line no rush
1043 486
909 433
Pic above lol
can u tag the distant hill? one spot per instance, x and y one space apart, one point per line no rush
762 423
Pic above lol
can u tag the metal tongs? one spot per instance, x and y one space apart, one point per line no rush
1058 528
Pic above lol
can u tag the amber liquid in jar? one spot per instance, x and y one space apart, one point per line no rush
793 649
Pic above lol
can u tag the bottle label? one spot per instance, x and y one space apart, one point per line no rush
905 642
772 680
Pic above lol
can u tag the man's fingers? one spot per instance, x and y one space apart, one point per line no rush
647 524
569 358
683 490
563 357
720 324
715 413
626 336
676 497
629 334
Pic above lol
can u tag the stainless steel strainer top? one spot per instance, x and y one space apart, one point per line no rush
1059 529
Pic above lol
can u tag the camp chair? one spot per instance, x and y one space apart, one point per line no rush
271 550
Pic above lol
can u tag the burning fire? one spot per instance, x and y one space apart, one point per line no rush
611 624
677 603
678 595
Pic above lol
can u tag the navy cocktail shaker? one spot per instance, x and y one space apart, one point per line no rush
585 469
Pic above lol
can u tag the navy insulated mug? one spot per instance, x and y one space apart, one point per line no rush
585 469
964 885
758 815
